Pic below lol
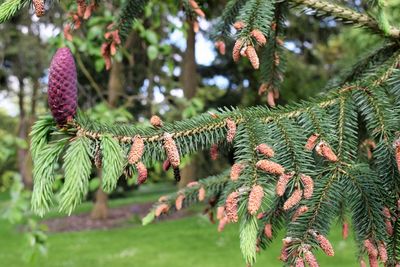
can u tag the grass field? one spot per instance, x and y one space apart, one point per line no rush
191 241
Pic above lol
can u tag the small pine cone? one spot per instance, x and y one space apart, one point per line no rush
62 90
371 249
270 167
310 259
231 207
386 212
231 125
397 153
106 54
191 184
282 183
273 26
136 151
220 212
277 59
179 201
325 245
266 150
156 121
196 26
279 41
253 57
81 7
284 254
312 141
373 261
89 10
222 222
299 262
389 227
162 208
293 199
255 199
172 150
362 263
166 165
263 89
196 8
268 230
202 194
324 150
382 252
259 36
214 152
345 230
142 172
271 99
300 211
308 184
260 215
238 25
236 50
39 7
67 32
220 45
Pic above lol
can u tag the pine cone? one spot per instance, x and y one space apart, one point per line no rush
38 5
62 92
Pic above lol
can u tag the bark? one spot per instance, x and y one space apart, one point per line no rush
100 209
24 165
189 84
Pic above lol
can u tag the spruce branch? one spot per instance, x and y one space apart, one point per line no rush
44 176
113 162
364 203
348 15
213 186
10 7
130 11
77 167
228 17
40 134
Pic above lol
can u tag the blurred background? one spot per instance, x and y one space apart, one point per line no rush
165 68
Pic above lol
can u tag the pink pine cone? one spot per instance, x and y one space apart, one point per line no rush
62 91
255 199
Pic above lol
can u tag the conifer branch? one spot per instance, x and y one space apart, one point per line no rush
10 7
348 15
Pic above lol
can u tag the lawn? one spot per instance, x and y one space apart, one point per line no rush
190 241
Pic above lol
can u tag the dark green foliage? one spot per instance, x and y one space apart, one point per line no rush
130 11
228 17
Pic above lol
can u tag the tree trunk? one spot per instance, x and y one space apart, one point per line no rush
23 129
100 209
189 84
115 87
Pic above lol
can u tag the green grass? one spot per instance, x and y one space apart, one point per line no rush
191 241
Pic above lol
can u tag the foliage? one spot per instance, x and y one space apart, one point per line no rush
359 109
18 212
